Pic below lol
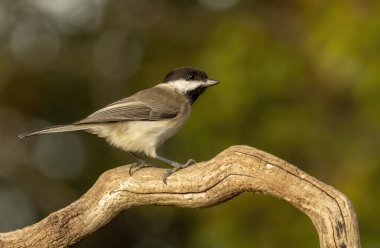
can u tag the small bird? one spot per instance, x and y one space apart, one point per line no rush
139 124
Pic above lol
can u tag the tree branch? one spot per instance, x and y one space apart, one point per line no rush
235 170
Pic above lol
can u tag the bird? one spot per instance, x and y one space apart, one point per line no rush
142 122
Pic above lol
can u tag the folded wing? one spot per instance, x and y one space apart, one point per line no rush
153 104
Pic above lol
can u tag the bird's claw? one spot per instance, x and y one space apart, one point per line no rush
138 166
177 167
190 162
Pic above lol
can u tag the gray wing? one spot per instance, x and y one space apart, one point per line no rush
152 104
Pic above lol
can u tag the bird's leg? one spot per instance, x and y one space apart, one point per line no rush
176 166
138 165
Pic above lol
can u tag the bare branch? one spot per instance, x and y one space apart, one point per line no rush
235 170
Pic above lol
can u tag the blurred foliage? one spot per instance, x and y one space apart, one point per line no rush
299 79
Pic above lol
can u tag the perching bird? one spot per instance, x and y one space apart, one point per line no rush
142 122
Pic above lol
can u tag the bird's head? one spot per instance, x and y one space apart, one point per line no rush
189 81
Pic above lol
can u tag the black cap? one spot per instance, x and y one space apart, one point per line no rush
186 73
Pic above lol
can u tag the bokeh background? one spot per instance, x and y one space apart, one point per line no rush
299 79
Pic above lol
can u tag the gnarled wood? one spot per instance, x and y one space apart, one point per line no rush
235 170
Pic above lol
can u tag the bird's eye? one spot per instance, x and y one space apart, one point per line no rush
191 77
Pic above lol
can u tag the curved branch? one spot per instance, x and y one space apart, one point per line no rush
235 170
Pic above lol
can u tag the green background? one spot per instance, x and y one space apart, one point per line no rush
298 79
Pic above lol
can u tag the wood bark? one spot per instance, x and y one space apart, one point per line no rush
235 170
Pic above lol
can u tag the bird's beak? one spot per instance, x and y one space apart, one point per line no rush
210 82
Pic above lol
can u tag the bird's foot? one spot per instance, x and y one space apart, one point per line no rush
136 166
177 167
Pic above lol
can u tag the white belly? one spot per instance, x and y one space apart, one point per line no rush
139 136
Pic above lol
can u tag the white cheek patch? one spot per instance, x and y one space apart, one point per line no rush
185 86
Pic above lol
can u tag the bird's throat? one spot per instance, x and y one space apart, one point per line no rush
192 95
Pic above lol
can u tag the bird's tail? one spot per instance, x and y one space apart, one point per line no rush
56 129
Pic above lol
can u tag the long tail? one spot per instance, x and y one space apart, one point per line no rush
56 129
